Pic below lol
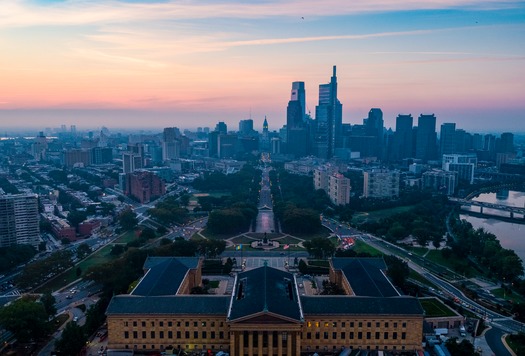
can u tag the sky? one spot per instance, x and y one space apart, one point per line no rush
191 63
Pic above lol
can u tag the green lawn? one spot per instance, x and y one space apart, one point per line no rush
287 240
460 266
361 246
420 251
360 218
434 308
126 237
514 297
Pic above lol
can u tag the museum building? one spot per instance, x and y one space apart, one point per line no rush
267 313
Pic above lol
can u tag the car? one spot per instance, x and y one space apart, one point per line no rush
75 318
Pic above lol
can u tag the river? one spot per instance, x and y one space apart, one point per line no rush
510 236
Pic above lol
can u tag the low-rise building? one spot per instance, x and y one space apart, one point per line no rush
381 183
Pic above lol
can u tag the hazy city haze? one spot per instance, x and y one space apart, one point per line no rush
193 63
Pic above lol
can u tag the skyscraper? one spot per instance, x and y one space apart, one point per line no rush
19 223
329 119
426 148
296 127
374 127
402 146
447 140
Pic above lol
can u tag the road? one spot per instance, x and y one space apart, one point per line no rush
265 217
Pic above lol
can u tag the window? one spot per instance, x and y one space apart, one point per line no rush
134 323
212 334
326 324
404 325
317 324
170 323
170 334
126 334
360 335
369 324
368 335
386 324
178 323
221 334
378 335
334 324
317 335
153 334
212 325
195 334
343 335
161 323
125 323
203 323
143 334
309 324
377 324
394 335
360 324
178 335
395 325
334 335
325 335
144 324
309 335
161 334
204 335
152 323
195 323
351 324
351 334
135 334
403 335
187 324
385 335
343 324
187 334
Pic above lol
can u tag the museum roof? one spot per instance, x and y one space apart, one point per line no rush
265 290
175 304
328 305
164 275
366 276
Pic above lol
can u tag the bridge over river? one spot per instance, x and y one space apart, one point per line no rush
516 213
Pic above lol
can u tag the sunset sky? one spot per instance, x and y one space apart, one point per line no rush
192 63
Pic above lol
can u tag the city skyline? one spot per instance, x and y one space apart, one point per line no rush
154 64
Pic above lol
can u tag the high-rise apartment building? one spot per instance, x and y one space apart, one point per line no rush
329 120
381 183
144 186
426 148
339 189
131 162
19 220
464 165
441 181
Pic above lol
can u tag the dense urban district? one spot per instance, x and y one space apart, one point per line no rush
321 238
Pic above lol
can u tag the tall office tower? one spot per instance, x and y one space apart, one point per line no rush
63 128
246 127
329 119
296 128
73 130
19 223
477 141
426 148
170 143
447 139
299 94
505 144
221 127
402 146
39 147
131 162
374 127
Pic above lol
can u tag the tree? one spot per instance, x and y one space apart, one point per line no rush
465 347
398 270
319 247
49 304
83 250
26 319
95 316
72 341
147 234
128 220
117 249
